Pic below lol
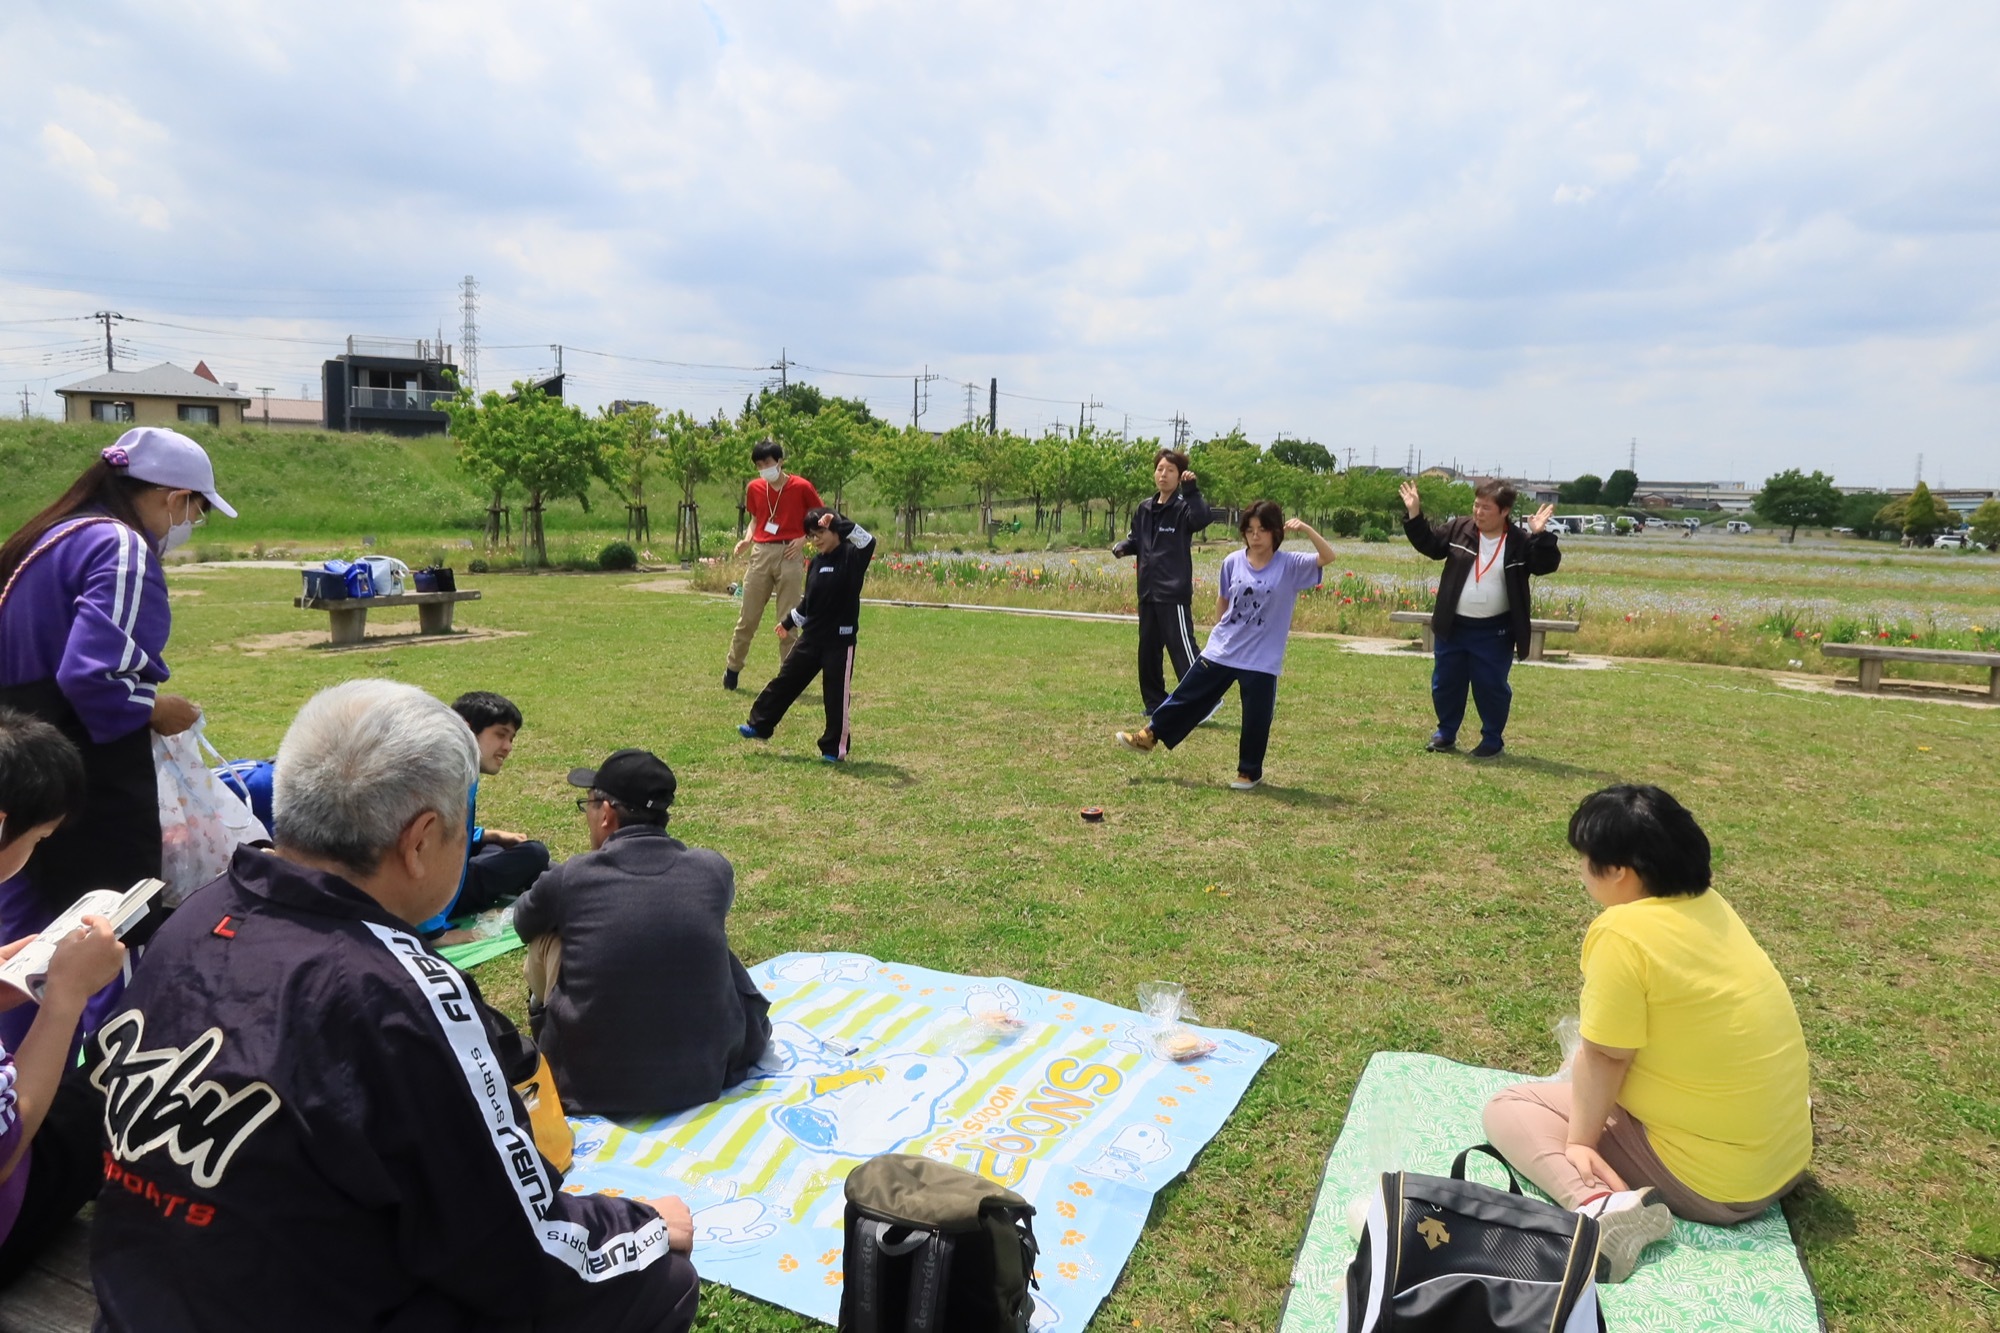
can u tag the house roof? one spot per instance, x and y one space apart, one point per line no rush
165 380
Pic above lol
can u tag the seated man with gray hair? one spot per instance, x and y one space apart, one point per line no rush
308 1122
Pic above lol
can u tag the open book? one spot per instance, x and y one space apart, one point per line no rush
27 970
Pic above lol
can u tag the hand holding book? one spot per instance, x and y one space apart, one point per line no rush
79 953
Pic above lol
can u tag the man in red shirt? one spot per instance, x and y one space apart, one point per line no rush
775 537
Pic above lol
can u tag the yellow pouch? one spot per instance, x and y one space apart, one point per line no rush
545 1115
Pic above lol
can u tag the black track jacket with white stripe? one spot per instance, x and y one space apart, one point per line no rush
1456 542
1163 537
830 612
307 1126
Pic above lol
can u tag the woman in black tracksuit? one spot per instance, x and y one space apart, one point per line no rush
826 620
1163 529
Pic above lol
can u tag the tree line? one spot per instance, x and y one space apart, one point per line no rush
1079 483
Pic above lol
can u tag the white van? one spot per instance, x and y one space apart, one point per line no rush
1738 525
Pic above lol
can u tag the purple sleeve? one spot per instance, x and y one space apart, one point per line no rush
111 667
1305 569
1226 584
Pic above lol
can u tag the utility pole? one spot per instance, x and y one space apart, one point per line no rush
993 406
1350 458
920 395
1632 457
110 361
783 366
971 403
1088 404
1920 469
1181 433
557 349
468 334
25 396
265 389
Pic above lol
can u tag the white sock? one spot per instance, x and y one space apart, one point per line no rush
1618 1202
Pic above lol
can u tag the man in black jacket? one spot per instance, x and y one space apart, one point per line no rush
1163 529
1480 623
634 994
826 621
308 1122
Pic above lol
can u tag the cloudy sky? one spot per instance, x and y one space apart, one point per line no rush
1751 236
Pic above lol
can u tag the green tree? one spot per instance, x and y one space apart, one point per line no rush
632 446
1057 475
1227 468
1793 499
829 445
1620 487
1305 455
1863 513
988 461
1920 514
1986 525
908 466
544 446
1587 489
690 452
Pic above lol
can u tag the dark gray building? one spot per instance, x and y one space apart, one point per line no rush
388 385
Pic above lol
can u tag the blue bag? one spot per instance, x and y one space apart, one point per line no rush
250 778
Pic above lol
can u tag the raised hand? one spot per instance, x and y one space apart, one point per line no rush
1411 503
1541 518
1295 525
1186 477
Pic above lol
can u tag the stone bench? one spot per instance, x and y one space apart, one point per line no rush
1538 630
349 615
1872 656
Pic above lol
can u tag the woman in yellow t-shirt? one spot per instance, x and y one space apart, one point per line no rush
1689 1093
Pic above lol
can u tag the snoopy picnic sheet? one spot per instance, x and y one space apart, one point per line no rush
1058 1097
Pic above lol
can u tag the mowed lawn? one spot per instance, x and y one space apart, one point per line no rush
1371 897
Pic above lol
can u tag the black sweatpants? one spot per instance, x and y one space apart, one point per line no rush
834 661
659 1298
495 874
1163 625
1196 697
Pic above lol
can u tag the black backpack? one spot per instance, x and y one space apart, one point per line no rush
1453 1256
932 1248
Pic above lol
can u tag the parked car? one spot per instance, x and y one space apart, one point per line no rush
1737 525
1954 540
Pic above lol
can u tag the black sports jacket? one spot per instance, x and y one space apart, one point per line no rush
830 612
308 1125
1162 537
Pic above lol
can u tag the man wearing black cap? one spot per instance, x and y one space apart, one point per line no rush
634 994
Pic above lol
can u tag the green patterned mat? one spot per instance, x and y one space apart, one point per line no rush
474 952
1414 1112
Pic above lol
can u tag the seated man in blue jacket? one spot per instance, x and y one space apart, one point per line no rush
633 992
308 1122
498 865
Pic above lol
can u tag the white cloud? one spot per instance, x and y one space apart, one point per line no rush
1492 227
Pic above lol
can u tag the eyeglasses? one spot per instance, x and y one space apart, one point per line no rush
585 802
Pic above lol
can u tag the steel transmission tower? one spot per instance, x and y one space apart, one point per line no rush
468 333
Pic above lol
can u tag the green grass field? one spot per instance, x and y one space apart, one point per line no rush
1371 897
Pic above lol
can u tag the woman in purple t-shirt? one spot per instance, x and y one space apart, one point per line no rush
1253 619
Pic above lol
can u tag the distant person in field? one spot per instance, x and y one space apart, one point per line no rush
84 621
1163 529
1257 593
775 537
49 1113
825 624
634 994
1689 1094
1480 623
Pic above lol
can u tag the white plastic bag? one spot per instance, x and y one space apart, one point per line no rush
202 821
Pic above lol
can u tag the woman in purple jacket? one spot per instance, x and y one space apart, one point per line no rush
83 622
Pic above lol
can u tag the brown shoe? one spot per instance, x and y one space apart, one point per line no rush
1141 740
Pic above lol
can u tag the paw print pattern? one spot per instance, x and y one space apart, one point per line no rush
1164 1119
1067 1271
829 1257
1182 1087
1169 1101
927 990
1072 1237
787 1264
1065 1209
1087 1030
835 1278
904 986
1203 1079
1081 1190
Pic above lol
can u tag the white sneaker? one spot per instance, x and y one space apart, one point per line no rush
1627 1222
1241 783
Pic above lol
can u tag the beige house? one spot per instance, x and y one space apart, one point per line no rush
165 395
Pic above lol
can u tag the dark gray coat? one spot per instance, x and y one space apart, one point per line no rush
650 1012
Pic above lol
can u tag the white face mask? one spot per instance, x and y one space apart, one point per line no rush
179 533
771 474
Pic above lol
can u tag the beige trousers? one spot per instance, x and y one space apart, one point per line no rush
772 572
543 966
1529 1124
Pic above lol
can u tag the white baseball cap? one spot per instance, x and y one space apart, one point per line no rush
167 458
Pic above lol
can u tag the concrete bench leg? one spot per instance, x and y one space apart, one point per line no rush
1871 675
1429 641
1994 687
349 625
434 617
1536 639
